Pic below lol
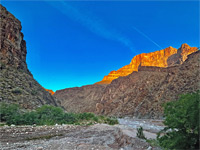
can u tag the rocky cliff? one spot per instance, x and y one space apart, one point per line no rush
142 93
80 99
17 84
144 90
50 91
164 58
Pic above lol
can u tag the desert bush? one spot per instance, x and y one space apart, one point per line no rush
70 118
86 116
95 118
111 121
48 115
140 133
30 118
7 111
182 123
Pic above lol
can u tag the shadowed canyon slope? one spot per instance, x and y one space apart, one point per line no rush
81 99
17 84
142 92
163 58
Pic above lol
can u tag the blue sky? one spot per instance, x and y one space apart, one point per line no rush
76 43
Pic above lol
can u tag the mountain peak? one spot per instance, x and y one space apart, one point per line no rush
163 58
185 45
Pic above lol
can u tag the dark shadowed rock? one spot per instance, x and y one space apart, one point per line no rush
80 99
17 84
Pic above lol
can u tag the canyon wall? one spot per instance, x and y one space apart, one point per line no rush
17 84
164 58
80 99
144 90
142 93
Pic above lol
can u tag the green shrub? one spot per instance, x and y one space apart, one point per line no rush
140 133
70 118
95 118
7 111
101 117
15 119
17 91
2 66
2 124
48 115
111 121
30 118
182 121
86 116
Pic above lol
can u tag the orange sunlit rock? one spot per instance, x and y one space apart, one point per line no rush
50 91
167 57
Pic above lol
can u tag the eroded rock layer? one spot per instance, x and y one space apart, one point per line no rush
164 58
80 99
17 84
142 93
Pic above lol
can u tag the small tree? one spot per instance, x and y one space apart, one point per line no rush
182 121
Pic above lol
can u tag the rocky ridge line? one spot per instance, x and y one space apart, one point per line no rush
142 93
164 58
17 84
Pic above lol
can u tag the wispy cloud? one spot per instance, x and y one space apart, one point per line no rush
92 23
143 34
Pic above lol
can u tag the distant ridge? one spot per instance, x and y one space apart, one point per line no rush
143 91
164 58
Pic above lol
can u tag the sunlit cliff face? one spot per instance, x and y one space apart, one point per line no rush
50 91
167 57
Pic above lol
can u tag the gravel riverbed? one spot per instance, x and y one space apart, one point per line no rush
73 137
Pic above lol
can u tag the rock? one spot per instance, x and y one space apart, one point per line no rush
80 99
17 83
149 148
50 91
101 136
144 90
163 58
145 100
12 125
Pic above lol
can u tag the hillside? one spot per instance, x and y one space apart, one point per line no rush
17 84
81 99
142 92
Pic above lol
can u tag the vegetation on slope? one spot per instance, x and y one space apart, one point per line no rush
182 123
48 115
